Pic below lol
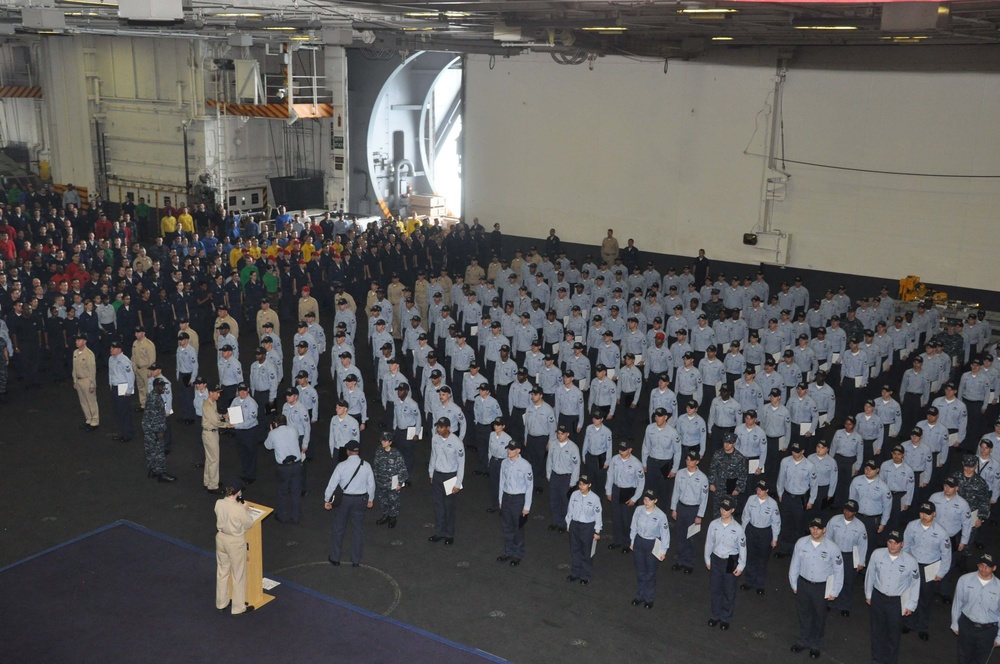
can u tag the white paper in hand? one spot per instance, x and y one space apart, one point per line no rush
952 438
835 358
235 415
565 321
693 530
638 358
854 554
859 381
804 428
395 482
122 389
873 372
555 348
611 374
412 433
974 517
824 419
829 586
825 366
474 331
583 384
578 339
657 548
449 485
935 385
904 599
781 443
593 549
753 465
931 571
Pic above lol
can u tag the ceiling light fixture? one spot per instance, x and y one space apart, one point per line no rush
608 29
707 10
281 28
826 27
238 15
722 39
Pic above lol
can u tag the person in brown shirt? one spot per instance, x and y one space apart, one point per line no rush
85 382
232 521
143 355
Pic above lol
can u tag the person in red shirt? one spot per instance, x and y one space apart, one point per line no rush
103 228
7 248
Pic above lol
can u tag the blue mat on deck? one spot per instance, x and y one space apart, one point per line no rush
124 593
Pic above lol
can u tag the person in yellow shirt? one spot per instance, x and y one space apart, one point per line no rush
272 251
254 249
235 255
307 250
186 221
168 228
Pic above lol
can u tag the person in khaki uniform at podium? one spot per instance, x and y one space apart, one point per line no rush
143 355
85 382
211 422
232 521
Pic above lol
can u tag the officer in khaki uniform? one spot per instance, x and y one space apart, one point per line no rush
266 315
143 355
85 382
224 317
211 422
308 303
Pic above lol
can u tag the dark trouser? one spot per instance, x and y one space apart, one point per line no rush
122 406
946 587
912 412
974 426
843 600
886 623
444 506
482 441
289 478
405 448
594 464
822 496
868 451
627 415
811 607
27 364
513 533
871 522
645 569
975 641
850 397
758 553
495 482
657 480
559 498
723 588
920 618
515 425
896 514
535 453
707 394
185 396
774 456
263 409
351 510
686 546
503 396
682 402
581 541
571 421
246 446
226 398
845 473
793 518
621 514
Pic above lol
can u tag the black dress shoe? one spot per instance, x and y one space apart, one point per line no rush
584 582
491 510
924 636
612 547
713 622
150 474
813 654
744 586
166 477
636 602
199 465
572 578
449 541
502 559
689 570
515 562
552 528
675 567
798 648
92 427
723 625
384 519
335 563
355 564
560 530
216 492
845 613
392 522
905 630
760 591
649 605
249 609
626 550
84 426
117 437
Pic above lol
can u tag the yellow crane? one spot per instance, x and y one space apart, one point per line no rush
911 288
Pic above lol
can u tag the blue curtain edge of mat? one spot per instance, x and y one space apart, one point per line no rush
290 584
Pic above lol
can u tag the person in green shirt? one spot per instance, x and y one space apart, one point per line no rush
13 194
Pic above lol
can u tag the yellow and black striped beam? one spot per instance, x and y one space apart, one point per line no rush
20 92
273 111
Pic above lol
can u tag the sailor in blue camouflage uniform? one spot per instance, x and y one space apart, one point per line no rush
154 428
389 463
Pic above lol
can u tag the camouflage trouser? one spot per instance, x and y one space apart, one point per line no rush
156 460
388 501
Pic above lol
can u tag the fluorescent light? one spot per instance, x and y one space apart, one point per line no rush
300 38
826 27
436 14
610 29
722 39
287 28
98 3
81 13
707 11
238 15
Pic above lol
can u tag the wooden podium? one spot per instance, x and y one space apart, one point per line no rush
256 597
